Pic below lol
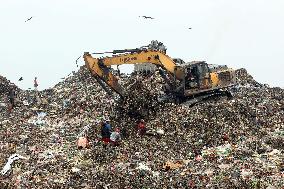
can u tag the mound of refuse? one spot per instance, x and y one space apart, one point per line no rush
6 85
218 143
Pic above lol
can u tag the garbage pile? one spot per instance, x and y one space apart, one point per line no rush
5 86
142 96
218 143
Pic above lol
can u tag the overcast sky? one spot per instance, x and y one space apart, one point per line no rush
239 33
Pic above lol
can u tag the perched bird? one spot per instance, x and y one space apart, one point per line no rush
77 60
21 79
147 17
28 19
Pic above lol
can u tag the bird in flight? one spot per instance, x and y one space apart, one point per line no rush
189 28
21 79
147 17
28 19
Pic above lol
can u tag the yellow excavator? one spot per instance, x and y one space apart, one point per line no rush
184 80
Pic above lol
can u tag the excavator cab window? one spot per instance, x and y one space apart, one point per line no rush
197 76
191 77
202 69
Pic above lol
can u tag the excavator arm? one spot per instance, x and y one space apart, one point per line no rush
102 73
100 67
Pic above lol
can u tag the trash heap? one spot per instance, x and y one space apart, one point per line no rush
5 86
217 143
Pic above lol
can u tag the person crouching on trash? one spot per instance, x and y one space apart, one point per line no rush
115 137
83 142
142 127
105 132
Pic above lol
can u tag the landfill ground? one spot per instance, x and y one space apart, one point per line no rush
218 143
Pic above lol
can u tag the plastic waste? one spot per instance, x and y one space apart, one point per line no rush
11 159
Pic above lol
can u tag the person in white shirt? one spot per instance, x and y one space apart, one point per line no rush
115 137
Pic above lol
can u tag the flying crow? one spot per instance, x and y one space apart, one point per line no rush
28 19
147 17
21 79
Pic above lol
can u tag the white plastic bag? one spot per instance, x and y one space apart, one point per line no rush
11 159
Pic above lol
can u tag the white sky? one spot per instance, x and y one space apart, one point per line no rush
238 33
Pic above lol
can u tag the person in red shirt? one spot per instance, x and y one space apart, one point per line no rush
142 127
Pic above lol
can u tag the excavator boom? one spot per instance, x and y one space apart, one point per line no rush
100 67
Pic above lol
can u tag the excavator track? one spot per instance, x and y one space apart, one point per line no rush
195 100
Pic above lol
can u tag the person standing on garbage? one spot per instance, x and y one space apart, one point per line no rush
115 137
35 83
105 132
11 97
142 127
65 104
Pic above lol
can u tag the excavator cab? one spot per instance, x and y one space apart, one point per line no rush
197 76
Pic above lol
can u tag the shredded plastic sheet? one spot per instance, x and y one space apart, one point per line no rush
11 159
